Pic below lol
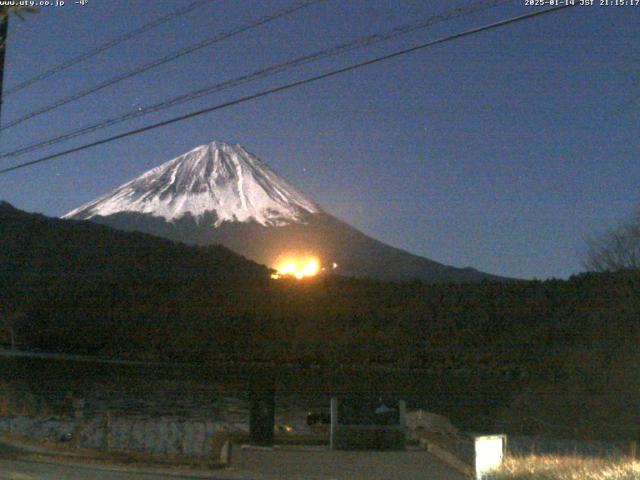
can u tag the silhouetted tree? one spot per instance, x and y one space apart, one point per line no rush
6 11
618 249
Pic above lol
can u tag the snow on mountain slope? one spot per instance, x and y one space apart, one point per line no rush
214 178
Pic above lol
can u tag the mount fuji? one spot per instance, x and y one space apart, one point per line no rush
221 194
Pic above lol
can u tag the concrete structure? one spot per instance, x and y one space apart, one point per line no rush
367 424
162 436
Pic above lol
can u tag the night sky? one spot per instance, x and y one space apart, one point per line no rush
503 151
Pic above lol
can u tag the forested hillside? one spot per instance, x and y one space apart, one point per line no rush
112 284
564 347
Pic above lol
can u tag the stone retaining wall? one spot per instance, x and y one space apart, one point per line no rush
164 435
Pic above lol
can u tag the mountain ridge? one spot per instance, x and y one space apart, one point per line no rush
244 205
216 176
33 243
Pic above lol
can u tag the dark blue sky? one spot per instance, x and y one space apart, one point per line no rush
503 151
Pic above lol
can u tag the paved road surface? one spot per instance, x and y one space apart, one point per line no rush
24 470
322 464
13 466
282 464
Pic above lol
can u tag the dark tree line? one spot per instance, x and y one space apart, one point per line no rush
617 249
75 286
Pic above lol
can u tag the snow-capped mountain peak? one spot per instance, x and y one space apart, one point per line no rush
217 178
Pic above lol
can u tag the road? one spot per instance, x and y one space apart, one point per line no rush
283 464
317 463
21 469
25 470
14 466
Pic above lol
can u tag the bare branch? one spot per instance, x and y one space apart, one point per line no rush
618 249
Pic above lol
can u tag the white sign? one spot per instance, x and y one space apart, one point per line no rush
489 453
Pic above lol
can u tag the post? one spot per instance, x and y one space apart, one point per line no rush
262 403
225 453
334 422
633 449
4 25
108 434
402 406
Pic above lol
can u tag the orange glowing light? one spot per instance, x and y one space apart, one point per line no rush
298 268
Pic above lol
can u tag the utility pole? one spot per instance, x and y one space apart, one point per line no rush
4 24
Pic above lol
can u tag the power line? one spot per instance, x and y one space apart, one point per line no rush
106 46
358 43
288 86
168 58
